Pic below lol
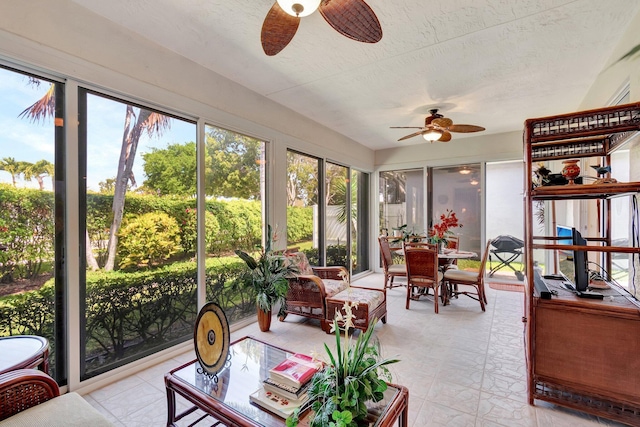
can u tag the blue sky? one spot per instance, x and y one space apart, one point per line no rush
27 141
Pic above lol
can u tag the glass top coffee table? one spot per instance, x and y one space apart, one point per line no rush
226 398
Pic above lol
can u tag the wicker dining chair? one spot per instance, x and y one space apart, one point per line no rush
390 269
422 273
455 278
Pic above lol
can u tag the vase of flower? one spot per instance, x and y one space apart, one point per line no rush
439 233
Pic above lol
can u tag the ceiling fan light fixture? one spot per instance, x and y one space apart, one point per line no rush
299 8
465 170
432 135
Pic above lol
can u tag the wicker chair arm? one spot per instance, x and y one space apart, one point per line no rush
301 279
24 388
330 272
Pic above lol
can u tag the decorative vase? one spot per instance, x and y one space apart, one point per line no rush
264 319
571 170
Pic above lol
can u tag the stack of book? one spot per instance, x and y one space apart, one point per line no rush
287 385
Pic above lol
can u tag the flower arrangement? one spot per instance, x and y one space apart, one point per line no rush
354 375
439 232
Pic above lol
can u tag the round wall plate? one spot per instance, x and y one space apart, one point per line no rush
211 338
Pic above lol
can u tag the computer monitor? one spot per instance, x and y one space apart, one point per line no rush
580 262
567 232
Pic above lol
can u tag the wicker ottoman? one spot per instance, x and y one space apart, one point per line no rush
372 303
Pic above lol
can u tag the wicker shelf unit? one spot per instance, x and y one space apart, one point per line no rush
582 353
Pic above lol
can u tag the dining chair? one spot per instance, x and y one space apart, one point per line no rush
406 245
422 273
391 270
454 278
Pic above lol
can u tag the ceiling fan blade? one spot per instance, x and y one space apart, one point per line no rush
405 127
278 29
446 136
411 135
465 128
442 122
353 19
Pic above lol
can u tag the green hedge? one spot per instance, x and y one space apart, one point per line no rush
130 315
26 231
299 224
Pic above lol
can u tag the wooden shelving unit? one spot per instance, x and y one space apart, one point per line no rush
582 354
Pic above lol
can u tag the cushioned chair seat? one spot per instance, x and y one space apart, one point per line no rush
400 269
68 410
371 303
429 281
333 287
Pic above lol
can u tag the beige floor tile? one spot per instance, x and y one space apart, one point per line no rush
463 367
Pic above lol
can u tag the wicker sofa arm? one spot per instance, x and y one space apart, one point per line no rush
330 272
24 388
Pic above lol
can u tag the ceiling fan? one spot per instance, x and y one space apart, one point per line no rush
438 128
351 18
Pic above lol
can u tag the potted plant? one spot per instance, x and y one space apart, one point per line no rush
268 277
354 375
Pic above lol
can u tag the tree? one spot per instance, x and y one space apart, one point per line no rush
171 170
9 164
232 167
38 170
107 186
302 180
145 121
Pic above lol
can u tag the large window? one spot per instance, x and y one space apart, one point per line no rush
303 216
235 178
139 170
337 208
32 293
402 195
457 188
359 221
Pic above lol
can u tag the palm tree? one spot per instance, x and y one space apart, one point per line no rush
9 164
145 121
39 170
26 169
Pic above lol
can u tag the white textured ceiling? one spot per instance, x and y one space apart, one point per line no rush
492 63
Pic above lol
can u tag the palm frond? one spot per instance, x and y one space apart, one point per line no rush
42 109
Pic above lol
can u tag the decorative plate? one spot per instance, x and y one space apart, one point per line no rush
211 338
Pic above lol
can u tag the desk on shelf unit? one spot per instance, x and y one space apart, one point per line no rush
227 400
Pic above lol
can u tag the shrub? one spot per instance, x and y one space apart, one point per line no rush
299 224
148 240
189 232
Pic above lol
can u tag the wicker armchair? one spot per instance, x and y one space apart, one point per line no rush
308 292
31 397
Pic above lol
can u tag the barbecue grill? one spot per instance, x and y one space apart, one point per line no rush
507 249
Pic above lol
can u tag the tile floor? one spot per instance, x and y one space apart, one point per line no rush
463 367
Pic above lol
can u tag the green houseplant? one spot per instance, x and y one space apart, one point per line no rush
354 375
268 277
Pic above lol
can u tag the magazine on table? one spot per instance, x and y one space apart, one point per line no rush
296 370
